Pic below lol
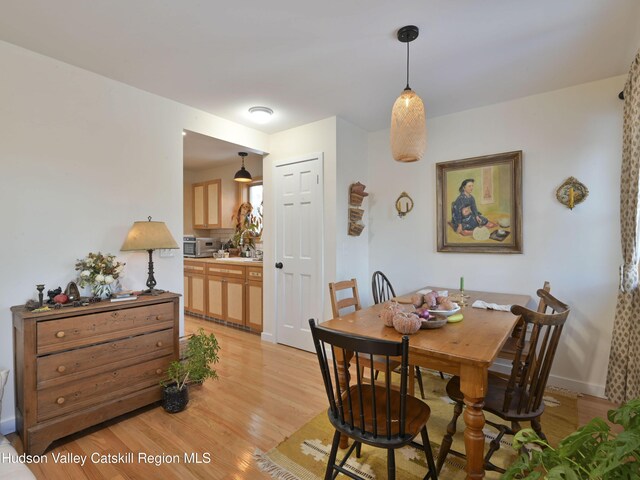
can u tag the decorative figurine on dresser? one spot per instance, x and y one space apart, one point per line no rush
81 365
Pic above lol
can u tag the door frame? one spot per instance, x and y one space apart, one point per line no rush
321 257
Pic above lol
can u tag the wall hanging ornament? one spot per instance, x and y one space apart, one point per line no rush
408 124
356 196
404 204
572 192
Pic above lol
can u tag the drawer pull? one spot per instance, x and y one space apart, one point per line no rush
158 317
255 274
60 400
159 371
159 344
60 334
61 369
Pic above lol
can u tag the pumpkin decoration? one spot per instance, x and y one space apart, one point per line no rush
406 323
388 312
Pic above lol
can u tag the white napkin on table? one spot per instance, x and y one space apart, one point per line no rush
491 306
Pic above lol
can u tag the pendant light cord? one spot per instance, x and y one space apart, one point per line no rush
407 87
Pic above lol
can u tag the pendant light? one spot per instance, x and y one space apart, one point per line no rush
242 175
408 125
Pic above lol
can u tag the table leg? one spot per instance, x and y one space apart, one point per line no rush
342 380
473 384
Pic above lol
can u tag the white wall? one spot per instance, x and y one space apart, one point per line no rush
352 253
576 132
313 138
229 192
82 158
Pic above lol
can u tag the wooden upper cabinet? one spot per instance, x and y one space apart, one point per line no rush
207 204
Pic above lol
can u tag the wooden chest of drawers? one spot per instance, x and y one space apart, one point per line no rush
77 367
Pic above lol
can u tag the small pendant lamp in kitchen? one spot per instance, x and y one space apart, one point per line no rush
408 125
242 175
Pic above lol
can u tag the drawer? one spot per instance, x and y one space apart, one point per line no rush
83 330
231 271
74 396
75 364
195 267
254 273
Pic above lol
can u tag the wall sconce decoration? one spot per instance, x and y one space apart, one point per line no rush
404 204
571 193
356 196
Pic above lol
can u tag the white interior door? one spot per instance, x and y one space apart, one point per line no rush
299 292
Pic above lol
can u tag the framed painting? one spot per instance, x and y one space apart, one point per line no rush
479 204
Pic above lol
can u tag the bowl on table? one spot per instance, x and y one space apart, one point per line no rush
436 322
445 313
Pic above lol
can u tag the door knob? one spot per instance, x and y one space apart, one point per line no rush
279 265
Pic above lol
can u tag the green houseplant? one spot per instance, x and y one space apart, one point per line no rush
202 352
591 452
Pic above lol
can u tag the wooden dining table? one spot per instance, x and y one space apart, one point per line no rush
465 349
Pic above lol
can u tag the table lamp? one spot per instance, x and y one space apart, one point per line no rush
149 236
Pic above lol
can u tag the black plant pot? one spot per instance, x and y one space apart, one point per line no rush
174 400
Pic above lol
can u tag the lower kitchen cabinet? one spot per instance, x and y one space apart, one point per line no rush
232 293
194 287
253 312
225 299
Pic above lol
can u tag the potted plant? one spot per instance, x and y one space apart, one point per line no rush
202 351
591 452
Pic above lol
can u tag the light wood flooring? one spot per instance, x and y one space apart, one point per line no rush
265 393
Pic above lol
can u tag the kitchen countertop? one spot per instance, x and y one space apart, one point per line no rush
245 262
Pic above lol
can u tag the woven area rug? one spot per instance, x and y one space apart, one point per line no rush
303 456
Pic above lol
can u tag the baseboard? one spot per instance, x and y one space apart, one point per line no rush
561 382
8 425
267 337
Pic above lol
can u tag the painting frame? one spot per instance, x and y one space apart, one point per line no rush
501 175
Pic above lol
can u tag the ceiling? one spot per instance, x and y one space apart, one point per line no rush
200 151
312 60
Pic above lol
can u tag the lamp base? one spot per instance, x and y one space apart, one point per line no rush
152 291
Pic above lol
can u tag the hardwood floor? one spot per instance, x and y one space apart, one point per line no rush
265 393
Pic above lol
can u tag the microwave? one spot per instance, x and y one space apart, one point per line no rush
198 247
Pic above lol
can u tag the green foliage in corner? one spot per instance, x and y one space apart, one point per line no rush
202 352
591 452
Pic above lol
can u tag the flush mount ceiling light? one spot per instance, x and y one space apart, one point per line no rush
260 114
242 175
408 125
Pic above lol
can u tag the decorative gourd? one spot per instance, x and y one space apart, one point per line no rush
388 312
446 305
417 299
406 323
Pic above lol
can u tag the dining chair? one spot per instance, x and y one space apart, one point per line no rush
351 300
370 413
508 351
519 397
382 291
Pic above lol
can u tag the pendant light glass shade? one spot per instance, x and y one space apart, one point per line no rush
242 175
408 124
408 128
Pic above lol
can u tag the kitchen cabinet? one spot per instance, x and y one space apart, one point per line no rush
194 287
207 204
77 367
228 292
253 307
225 293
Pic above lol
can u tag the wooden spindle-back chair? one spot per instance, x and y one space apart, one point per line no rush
518 398
369 413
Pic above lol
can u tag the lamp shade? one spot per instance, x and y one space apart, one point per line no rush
242 175
148 236
408 127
